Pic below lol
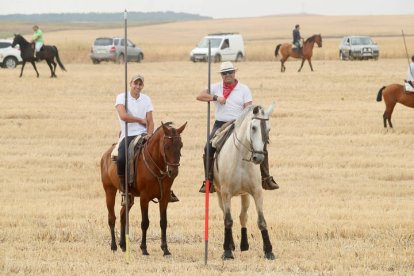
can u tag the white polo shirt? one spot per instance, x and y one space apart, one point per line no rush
234 105
137 108
410 72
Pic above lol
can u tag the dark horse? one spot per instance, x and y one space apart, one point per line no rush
47 53
287 51
393 94
157 167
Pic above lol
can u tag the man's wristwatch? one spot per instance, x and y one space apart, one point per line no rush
215 98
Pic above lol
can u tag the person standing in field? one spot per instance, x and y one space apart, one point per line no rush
230 97
297 39
37 40
140 122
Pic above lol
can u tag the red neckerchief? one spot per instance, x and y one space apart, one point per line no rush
228 88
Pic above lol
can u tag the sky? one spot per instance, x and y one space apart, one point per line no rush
214 8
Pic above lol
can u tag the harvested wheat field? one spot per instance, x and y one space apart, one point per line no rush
345 205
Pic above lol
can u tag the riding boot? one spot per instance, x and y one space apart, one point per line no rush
122 189
268 183
210 175
173 197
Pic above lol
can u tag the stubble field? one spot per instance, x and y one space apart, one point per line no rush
346 199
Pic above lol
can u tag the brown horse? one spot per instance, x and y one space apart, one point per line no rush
393 94
287 51
157 166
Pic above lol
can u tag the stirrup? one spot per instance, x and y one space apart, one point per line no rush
203 188
173 197
268 183
123 197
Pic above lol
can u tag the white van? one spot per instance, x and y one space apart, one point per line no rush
224 47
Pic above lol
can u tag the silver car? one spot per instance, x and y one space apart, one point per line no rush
358 47
113 49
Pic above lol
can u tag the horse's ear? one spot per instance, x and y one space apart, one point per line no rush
256 109
270 109
164 127
181 128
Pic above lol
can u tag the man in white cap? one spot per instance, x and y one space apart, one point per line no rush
139 119
230 98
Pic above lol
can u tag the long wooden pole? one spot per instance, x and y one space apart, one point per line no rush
406 52
207 161
127 252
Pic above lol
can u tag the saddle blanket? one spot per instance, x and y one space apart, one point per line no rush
408 87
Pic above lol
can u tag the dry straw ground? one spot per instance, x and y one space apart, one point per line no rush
346 199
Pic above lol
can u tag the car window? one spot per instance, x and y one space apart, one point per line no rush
103 42
215 42
361 41
122 42
130 44
5 44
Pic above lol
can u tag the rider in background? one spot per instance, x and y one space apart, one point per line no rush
297 38
37 39
410 73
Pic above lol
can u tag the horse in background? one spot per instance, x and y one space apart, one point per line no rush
236 174
48 53
156 168
393 94
286 51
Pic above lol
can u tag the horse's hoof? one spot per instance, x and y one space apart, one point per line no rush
167 253
270 256
145 252
227 255
114 247
244 246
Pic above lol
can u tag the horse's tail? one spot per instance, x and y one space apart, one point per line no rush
58 59
277 49
379 96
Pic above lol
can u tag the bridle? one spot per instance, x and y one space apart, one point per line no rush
265 139
158 172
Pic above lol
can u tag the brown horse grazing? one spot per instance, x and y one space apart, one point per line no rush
393 94
157 166
287 51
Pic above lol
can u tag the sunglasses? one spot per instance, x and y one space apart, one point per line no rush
227 73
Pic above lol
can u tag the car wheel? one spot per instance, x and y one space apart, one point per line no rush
217 58
140 57
121 59
341 55
10 62
95 61
239 57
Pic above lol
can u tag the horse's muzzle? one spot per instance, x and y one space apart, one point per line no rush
257 158
172 171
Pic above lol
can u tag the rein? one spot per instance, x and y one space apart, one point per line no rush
162 173
251 149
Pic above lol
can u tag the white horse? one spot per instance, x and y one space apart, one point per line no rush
236 173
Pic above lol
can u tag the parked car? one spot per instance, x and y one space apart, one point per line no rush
9 56
113 49
224 47
358 47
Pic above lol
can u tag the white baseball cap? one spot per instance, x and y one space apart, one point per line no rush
137 77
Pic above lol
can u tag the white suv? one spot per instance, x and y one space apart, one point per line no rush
113 49
9 56
358 47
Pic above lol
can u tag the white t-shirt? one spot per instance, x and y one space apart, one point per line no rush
410 73
137 108
234 105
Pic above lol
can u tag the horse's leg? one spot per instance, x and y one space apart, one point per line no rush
301 65
110 193
228 245
122 240
34 66
163 225
52 74
54 67
245 203
389 108
267 246
21 71
144 224
310 64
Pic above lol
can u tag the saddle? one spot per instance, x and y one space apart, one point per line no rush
221 136
134 150
408 87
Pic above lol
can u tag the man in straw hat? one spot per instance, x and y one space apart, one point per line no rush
230 98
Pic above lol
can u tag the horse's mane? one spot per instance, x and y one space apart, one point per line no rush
311 39
168 124
244 114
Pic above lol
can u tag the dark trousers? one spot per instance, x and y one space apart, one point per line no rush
120 162
216 126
